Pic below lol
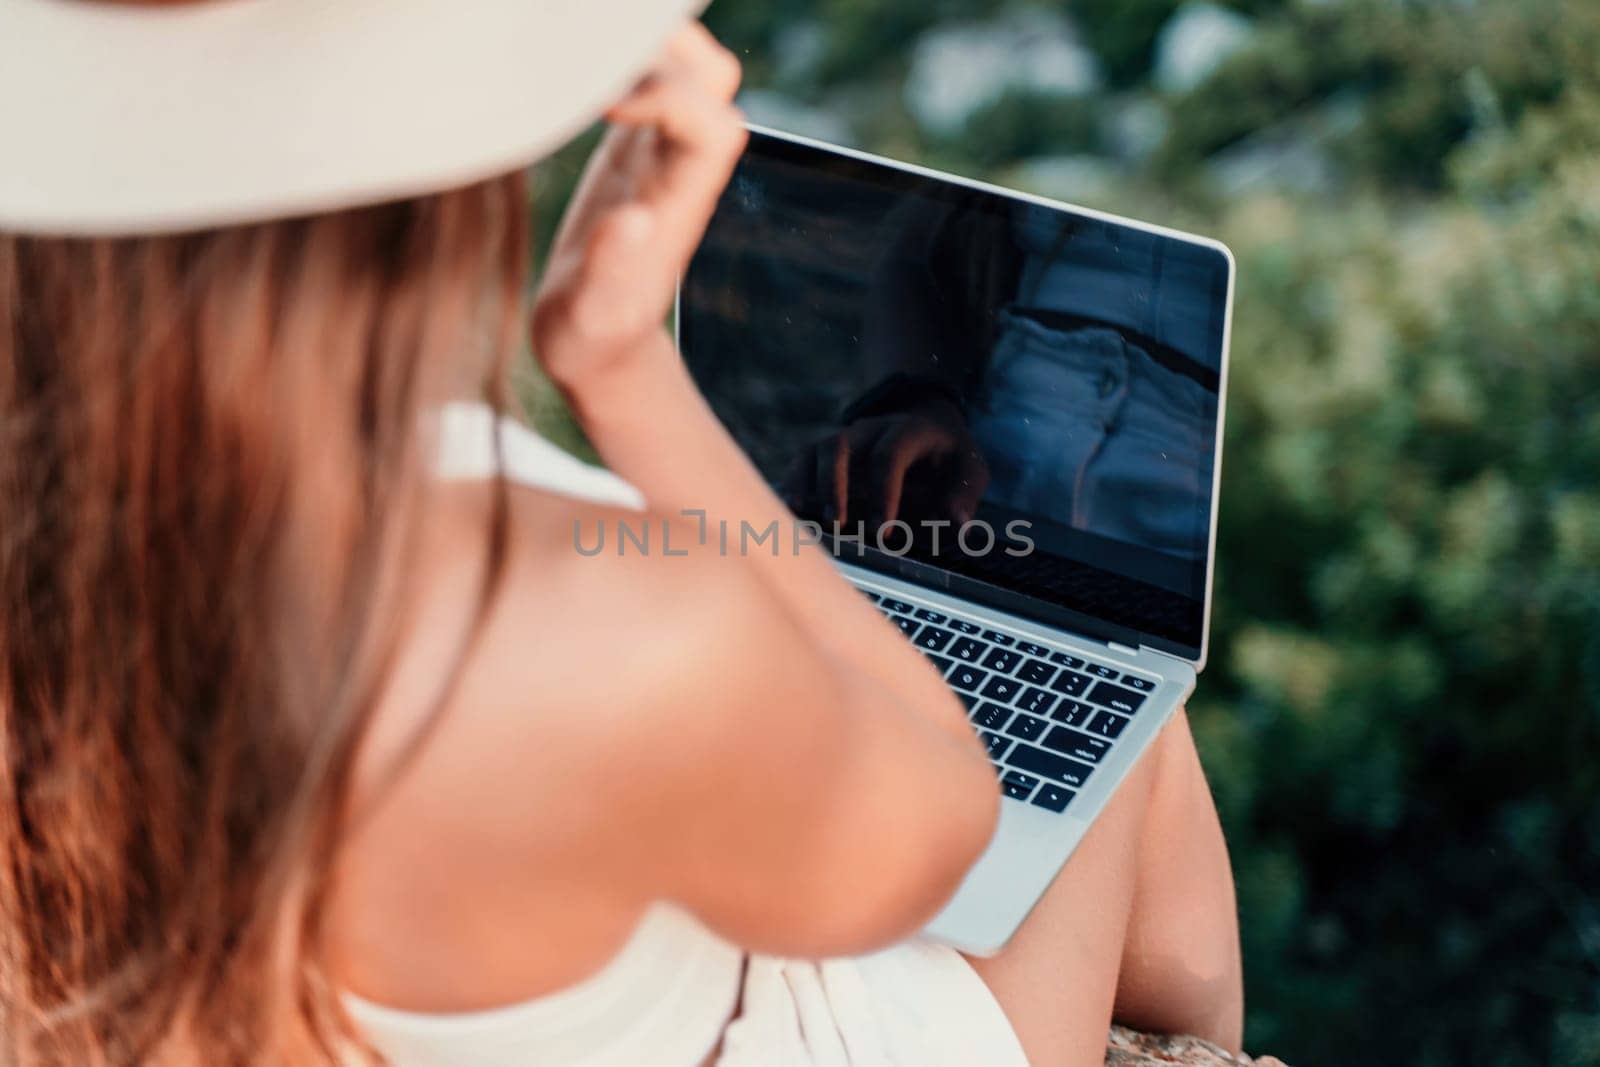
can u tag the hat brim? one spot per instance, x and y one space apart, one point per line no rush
123 120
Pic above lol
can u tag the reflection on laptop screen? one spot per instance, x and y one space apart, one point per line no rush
889 346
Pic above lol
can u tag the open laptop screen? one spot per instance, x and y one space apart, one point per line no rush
1027 396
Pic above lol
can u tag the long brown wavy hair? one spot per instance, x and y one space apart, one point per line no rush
212 451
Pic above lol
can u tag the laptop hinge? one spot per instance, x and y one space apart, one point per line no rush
1124 649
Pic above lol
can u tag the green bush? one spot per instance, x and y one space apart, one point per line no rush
1123 33
1426 75
1023 125
1408 618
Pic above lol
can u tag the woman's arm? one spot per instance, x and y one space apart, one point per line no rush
639 213
652 426
630 728
797 803
741 736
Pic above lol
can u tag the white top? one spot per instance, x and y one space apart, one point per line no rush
466 452
664 999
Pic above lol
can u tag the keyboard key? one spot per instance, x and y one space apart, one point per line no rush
933 639
1116 697
1036 671
1049 766
1027 781
1075 743
1073 713
991 716
998 638
1015 791
1144 685
1054 798
1108 725
967 650
996 744
1001 660
963 626
1070 683
1036 700
1061 659
899 607
907 627
969 699
940 664
1104 672
1028 648
967 678
1027 727
1004 690
870 595
929 615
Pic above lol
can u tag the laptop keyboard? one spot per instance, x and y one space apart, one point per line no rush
1048 718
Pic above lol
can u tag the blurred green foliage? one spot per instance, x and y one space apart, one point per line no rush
1403 725
1401 718
1020 124
1428 75
1123 33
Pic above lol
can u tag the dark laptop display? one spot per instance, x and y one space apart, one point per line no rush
1030 394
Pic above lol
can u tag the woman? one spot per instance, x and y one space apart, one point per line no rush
312 754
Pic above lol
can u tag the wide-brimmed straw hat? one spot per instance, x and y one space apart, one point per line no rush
132 118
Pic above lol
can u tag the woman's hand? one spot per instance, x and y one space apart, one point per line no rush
917 464
639 212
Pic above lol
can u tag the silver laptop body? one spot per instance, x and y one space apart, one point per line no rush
1068 697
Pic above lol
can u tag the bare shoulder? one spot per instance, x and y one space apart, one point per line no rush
631 724
578 704
584 651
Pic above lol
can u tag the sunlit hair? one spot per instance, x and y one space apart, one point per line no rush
212 454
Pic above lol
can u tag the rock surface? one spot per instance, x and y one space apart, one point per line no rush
1129 1048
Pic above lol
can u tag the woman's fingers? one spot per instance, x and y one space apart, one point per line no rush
699 57
973 477
833 477
697 135
698 142
909 443
644 201
689 94
686 113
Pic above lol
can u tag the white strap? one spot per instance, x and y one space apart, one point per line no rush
466 452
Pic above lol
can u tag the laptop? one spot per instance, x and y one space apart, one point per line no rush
1003 415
